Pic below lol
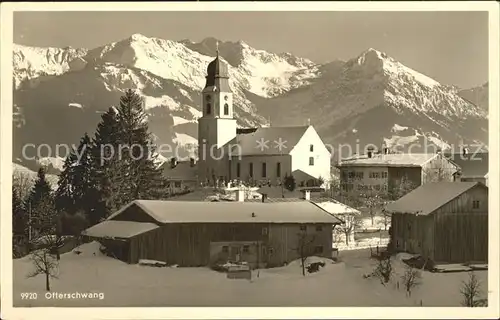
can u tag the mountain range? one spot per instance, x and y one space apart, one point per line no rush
60 93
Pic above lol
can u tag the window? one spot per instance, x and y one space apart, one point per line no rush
225 249
359 175
475 204
278 169
384 174
311 161
264 251
246 249
303 227
264 170
375 175
250 169
318 249
209 108
177 184
311 148
226 109
264 231
238 170
319 228
271 250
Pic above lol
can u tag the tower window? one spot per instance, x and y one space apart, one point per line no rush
209 108
250 170
226 109
278 169
311 161
238 170
264 170
311 148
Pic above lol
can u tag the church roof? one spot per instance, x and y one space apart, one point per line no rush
218 75
267 141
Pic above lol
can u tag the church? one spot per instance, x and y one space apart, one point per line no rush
253 155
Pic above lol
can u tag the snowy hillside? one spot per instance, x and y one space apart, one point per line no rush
363 98
37 63
28 176
477 95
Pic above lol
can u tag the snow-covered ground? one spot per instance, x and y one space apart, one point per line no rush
337 284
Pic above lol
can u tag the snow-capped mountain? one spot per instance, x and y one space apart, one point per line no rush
32 63
363 98
477 95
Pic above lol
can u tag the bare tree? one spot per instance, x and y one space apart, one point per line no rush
44 263
411 279
384 270
471 292
400 188
352 222
437 171
304 250
23 182
374 202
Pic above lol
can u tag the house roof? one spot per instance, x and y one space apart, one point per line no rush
232 212
430 196
118 229
389 160
335 207
249 141
182 171
279 192
472 165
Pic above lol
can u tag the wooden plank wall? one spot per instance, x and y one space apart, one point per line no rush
284 240
413 234
189 244
461 238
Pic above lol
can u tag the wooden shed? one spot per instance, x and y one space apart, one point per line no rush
194 233
446 222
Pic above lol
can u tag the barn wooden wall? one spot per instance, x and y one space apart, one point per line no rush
461 237
461 230
454 233
189 244
413 234
284 240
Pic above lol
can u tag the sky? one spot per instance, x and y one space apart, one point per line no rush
451 47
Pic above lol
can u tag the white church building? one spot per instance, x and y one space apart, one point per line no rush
259 155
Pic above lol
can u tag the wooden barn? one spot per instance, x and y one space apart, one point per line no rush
195 233
444 221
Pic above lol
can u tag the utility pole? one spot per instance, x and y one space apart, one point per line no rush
29 222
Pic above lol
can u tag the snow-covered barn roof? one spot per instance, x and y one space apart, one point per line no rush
231 212
429 197
118 229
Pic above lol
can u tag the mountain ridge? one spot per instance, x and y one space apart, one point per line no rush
77 85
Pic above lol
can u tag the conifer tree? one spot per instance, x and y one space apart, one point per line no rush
77 190
107 172
143 178
40 203
64 199
19 214
40 190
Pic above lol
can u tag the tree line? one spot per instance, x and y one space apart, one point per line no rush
115 166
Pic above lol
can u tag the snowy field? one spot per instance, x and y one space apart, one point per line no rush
337 284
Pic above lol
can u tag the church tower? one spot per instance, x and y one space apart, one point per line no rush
217 126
